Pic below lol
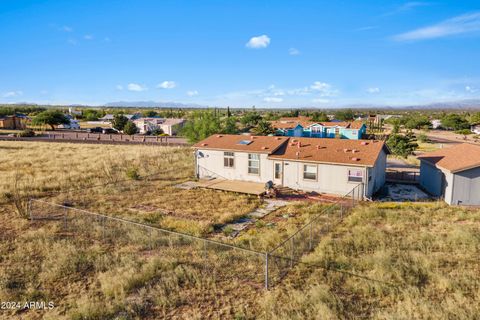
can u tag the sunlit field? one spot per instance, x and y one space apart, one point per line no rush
385 261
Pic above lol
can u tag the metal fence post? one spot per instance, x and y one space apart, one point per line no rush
292 254
266 270
29 209
310 237
65 212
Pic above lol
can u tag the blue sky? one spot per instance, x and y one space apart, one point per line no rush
240 53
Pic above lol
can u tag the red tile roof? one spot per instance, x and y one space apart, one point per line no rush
455 159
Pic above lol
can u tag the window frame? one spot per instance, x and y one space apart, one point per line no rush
316 172
230 158
251 160
349 176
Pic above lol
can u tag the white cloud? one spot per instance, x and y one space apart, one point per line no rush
293 52
192 93
373 90
11 94
136 87
66 29
321 100
167 85
470 89
72 41
323 89
272 99
467 23
119 87
88 37
258 42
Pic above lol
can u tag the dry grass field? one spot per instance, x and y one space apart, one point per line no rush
385 261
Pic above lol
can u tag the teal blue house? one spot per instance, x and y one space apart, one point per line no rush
301 128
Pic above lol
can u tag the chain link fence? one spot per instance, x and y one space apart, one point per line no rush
219 261
288 253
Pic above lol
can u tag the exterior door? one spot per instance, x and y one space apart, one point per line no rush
278 173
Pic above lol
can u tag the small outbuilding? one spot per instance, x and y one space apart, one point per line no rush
452 174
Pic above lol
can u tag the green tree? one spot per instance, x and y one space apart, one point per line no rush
415 122
150 113
130 128
264 128
455 121
51 118
320 116
475 118
250 119
91 115
401 145
119 121
345 115
201 125
230 126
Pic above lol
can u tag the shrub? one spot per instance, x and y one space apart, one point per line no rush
422 137
130 128
27 133
132 173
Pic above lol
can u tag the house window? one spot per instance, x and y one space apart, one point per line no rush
316 129
253 163
309 172
228 159
355 175
278 170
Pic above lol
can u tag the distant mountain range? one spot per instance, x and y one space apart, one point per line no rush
448 105
152 104
460 104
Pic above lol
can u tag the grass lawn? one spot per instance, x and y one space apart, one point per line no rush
413 260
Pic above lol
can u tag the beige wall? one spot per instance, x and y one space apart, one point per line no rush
212 161
332 179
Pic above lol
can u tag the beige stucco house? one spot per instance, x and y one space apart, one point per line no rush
331 166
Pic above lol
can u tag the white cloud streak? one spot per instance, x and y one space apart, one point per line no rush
463 24
12 94
136 87
293 52
258 42
192 93
272 99
167 85
373 90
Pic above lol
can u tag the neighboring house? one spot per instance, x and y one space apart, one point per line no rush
452 174
109 117
74 124
14 122
330 166
168 126
475 128
436 123
74 112
304 127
